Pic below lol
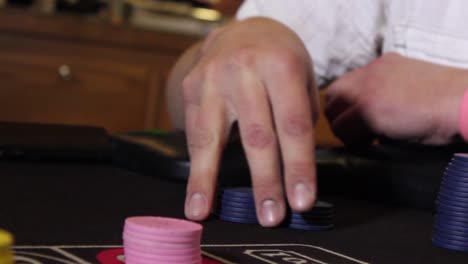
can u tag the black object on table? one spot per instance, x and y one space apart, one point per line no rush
394 172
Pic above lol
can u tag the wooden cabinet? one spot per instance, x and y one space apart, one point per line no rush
67 70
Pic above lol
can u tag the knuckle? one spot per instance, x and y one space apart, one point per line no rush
244 57
262 183
212 67
299 169
218 70
297 125
200 138
284 61
258 136
267 186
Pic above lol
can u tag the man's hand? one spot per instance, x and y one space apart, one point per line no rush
257 73
399 98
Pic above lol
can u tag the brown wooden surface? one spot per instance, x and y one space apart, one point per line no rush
118 74
79 29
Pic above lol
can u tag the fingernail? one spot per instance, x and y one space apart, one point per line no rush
270 213
302 196
197 205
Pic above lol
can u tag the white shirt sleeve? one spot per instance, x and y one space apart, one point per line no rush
340 35
430 30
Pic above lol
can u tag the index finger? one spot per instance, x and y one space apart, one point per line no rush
206 134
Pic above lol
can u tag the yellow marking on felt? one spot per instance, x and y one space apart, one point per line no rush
6 241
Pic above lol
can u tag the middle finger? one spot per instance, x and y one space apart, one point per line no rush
259 140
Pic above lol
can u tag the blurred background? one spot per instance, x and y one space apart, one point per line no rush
100 62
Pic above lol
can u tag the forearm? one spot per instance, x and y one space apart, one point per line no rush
174 84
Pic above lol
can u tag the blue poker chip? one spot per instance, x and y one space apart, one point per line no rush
462 157
238 215
445 225
451 181
229 208
237 200
451 236
455 178
451 204
454 188
312 213
445 211
449 221
450 197
450 241
458 177
238 192
458 162
237 220
310 216
451 232
320 207
452 217
449 246
318 217
310 227
457 167
452 191
236 204
449 224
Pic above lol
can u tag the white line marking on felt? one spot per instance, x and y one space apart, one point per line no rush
289 245
69 255
44 256
207 245
27 260
251 252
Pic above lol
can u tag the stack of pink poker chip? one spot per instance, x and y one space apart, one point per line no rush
161 240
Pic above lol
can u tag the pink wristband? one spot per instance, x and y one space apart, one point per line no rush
463 117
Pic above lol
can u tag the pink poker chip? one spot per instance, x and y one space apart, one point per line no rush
163 251
156 243
165 259
132 259
156 225
161 239
152 239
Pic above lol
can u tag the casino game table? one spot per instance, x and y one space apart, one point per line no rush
73 211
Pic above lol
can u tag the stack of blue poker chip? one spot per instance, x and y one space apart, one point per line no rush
318 219
238 205
451 210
